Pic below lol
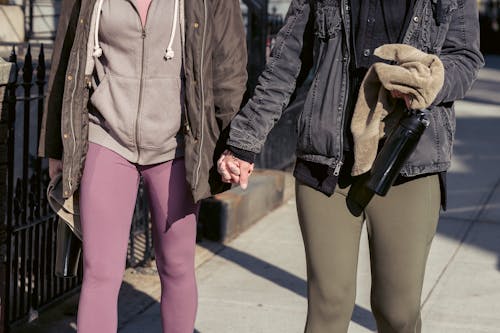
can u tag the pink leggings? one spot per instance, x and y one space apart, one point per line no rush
107 198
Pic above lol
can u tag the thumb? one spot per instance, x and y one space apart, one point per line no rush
244 174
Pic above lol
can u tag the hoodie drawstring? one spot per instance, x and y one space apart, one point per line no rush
97 48
169 53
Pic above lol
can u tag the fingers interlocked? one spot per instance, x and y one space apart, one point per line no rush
234 170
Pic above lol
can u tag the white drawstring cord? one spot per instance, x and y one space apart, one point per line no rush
169 54
97 48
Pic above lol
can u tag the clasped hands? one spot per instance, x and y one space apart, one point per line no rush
233 170
236 171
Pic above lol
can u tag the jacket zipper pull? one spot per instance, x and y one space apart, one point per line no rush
336 172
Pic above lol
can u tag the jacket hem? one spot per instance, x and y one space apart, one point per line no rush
331 162
407 171
416 170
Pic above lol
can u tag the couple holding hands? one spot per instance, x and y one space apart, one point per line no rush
152 89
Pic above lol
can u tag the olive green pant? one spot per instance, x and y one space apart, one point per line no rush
400 227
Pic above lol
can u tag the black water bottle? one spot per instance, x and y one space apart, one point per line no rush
397 148
68 249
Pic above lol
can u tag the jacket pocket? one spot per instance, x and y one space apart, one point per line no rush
328 21
160 115
304 119
442 15
116 100
434 148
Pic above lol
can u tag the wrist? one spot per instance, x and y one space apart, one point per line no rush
244 155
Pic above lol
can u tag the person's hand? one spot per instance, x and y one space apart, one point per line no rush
407 97
55 167
233 170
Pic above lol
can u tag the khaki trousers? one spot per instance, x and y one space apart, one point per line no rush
400 227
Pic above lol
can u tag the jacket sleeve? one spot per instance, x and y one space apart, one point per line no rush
460 53
276 84
230 60
50 144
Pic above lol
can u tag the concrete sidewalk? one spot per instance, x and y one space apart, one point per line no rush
257 282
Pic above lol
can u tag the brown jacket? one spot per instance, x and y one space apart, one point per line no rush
215 78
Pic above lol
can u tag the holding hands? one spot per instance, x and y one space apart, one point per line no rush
234 170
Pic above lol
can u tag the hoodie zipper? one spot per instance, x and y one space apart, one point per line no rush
141 82
141 87
202 65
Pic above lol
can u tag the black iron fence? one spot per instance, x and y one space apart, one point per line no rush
27 241
29 226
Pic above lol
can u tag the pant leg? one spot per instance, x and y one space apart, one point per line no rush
331 238
401 227
107 198
174 234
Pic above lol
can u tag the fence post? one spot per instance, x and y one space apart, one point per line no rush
5 78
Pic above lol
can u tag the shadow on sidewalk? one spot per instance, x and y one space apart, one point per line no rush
132 303
474 178
473 184
284 279
62 318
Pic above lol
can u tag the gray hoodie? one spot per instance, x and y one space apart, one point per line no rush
137 98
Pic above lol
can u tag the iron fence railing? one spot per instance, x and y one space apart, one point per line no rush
29 227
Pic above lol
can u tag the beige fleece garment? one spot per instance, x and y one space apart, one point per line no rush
415 73
137 99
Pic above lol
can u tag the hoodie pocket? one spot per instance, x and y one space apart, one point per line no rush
160 115
116 100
